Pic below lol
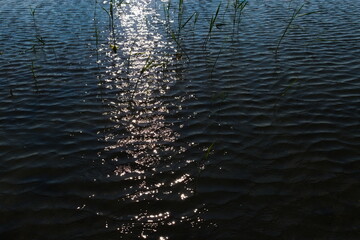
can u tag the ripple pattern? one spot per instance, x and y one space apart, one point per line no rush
118 122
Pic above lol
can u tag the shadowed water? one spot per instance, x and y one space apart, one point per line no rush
121 123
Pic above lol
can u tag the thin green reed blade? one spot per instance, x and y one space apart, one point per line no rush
181 2
213 18
293 17
196 18
187 21
32 11
296 12
209 149
120 3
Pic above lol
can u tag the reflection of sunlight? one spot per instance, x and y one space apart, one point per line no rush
142 143
139 110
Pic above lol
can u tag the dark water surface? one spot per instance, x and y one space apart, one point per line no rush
142 129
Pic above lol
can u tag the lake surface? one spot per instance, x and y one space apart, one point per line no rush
139 122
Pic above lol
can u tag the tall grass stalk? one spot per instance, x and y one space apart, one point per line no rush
32 11
96 32
188 20
296 14
120 3
212 23
196 18
167 11
239 6
178 43
215 62
213 19
208 151
180 14
149 64
32 67
111 11
110 14
181 8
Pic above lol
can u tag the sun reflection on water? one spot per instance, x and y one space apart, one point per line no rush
142 144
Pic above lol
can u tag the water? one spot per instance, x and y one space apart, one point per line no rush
121 132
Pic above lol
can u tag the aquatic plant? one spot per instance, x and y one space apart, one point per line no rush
287 88
176 31
215 62
96 32
212 24
40 40
178 43
180 14
208 151
148 65
173 36
120 2
213 19
32 11
188 20
167 11
201 165
32 67
110 14
181 25
296 14
239 6
196 18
